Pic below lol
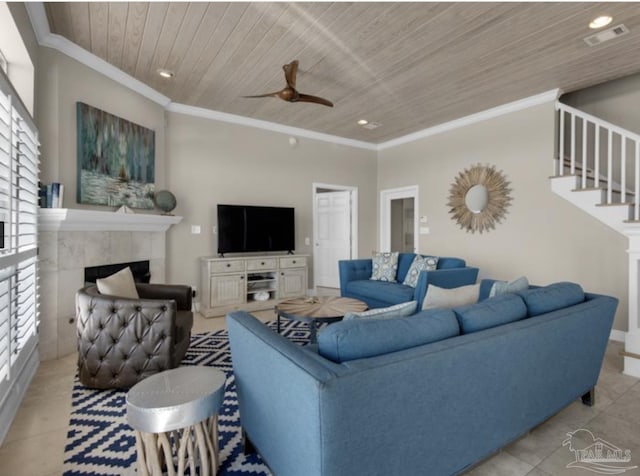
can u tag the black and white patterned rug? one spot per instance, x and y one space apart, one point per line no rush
100 442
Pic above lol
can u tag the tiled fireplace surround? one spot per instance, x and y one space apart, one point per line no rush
69 241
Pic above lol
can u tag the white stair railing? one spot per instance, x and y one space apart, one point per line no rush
583 139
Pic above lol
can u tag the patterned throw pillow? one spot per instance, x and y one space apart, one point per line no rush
420 263
384 266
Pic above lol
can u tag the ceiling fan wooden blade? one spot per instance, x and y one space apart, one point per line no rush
267 95
313 99
290 73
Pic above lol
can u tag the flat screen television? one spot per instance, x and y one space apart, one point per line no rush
244 228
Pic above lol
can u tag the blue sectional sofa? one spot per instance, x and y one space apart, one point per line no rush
433 393
355 282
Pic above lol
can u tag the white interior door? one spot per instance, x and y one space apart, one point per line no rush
333 236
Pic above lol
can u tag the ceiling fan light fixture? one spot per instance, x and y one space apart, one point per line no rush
165 73
600 21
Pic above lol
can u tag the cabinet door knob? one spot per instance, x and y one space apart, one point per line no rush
262 263
241 277
281 274
294 261
228 265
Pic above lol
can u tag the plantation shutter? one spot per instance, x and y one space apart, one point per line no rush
18 236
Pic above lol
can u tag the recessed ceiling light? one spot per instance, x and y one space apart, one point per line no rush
165 73
601 21
372 125
363 122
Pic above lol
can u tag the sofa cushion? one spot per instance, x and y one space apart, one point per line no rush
420 263
490 313
443 297
503 287
120 284
445 262
362 338
403 309
393 293
552 297
384 266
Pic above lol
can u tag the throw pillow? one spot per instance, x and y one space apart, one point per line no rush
403 309
503 287
120 284
442 297
420 263
384 266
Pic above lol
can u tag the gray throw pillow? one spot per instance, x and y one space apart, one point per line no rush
404 309
420 263
503 287
384 266
453 297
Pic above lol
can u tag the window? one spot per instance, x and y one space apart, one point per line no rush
4 65
18 237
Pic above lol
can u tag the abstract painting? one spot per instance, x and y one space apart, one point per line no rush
115 160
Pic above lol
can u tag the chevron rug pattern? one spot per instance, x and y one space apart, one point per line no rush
101 443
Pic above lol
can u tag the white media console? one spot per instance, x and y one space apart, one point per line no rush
250 283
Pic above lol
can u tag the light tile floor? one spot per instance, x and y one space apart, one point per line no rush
35 443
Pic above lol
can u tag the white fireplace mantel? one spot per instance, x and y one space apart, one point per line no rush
74 219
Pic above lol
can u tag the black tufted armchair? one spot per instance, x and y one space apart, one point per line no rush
122 341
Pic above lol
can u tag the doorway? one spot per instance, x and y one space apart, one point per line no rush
399 219
335 225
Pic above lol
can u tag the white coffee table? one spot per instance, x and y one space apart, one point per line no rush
175 417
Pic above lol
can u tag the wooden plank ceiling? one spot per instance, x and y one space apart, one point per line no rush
407 66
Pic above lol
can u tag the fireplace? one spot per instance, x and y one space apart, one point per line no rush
71 240
139 269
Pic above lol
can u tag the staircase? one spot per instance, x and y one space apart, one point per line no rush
597 169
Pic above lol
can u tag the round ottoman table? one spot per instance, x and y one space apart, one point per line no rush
175 417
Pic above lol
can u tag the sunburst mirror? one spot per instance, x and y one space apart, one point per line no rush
479 198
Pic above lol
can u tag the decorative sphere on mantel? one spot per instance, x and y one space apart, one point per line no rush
165 201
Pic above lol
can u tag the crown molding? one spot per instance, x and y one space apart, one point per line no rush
40 25
270 126
542 98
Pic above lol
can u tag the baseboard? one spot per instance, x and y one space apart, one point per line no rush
16 393
617 336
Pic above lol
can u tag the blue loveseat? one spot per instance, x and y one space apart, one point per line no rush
432 393
355 282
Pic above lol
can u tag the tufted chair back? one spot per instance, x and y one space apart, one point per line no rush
121 341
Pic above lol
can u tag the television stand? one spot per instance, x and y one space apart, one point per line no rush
250 283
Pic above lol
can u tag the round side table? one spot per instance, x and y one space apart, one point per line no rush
175 417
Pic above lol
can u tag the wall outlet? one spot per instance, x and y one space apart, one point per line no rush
307 241
195 229
214 228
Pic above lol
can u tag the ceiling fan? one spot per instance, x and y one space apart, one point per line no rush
289 93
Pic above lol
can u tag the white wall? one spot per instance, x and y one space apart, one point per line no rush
211 162
543 236
60 83
615 101
15 35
